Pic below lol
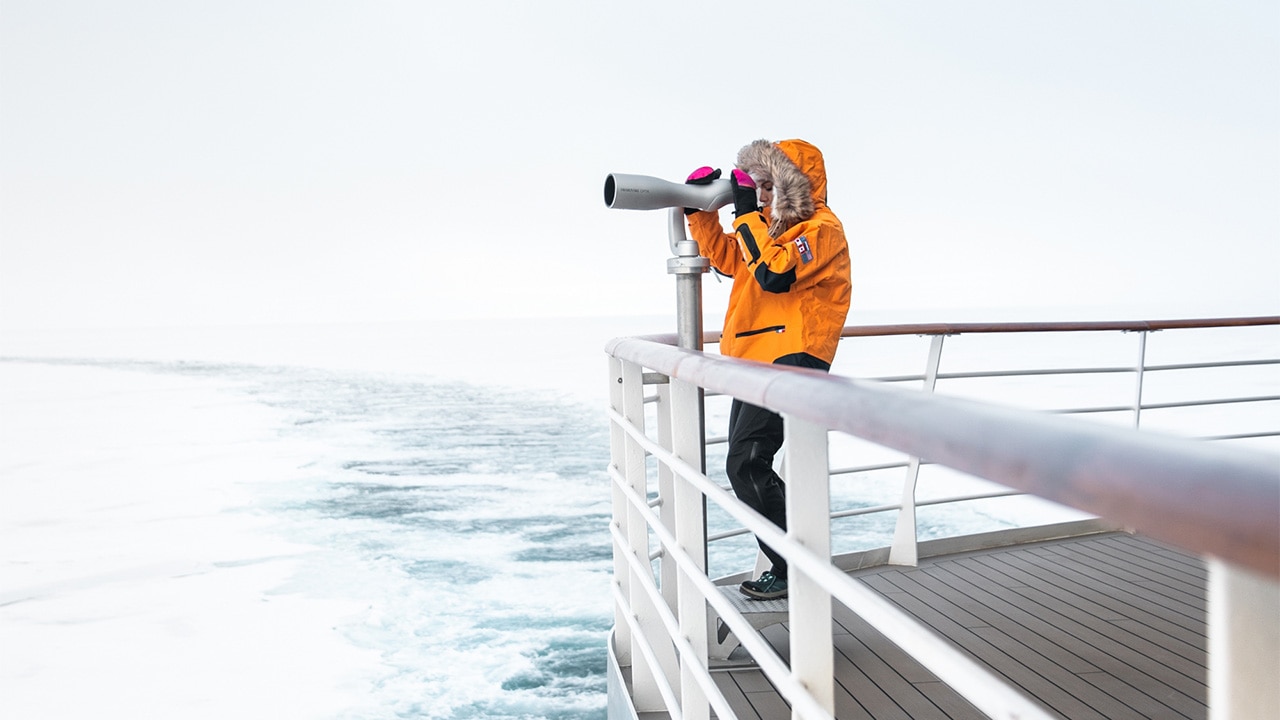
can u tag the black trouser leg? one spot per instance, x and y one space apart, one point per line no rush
755 434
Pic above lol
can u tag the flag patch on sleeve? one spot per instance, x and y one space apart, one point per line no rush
802 246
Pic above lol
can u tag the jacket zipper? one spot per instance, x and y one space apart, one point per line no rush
770 329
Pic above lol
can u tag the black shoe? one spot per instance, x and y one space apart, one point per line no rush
768 587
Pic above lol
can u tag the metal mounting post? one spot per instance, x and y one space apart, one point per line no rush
688 266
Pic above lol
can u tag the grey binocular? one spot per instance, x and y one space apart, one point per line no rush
642 192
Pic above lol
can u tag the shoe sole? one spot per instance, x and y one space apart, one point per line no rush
753 595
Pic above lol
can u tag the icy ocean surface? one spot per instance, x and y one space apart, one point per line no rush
337 522
365 524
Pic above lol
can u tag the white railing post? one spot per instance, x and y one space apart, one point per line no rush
646 695
809 523
903 550
617 458
691 536
1141 370
666 492
1244 644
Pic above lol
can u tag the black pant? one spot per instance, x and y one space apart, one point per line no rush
755 435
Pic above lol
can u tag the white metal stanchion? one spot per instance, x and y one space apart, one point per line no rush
809 523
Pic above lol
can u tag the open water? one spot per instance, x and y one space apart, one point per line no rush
454 503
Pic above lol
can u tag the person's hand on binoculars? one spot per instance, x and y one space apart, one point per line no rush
745 198
702 176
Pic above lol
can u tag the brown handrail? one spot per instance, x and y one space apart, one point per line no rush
713 336
1040 327
1208 499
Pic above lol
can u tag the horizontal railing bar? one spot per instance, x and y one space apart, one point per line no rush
978 374
1035 373
868 468
1210 499
1212 365
1243 436
727 534
977 496
834 516
1164 406
923 503
869 510
897 378
1116 370
1202 403
1089 410
873 509
1158 406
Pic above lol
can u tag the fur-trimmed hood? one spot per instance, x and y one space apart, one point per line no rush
799 178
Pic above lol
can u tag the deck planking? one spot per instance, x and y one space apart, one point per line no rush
1105 626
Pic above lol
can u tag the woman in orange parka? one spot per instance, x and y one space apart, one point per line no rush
790 267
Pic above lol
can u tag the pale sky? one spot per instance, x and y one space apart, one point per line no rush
260 161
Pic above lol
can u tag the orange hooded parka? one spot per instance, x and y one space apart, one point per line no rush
789 262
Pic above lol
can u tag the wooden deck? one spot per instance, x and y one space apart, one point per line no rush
1105 626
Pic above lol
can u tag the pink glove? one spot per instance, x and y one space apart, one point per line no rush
702 176
745 199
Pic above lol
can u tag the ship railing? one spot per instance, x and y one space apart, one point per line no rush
1129 390
1219 500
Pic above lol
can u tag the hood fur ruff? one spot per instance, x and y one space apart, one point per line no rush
795 191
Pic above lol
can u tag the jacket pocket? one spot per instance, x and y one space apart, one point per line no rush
761 331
